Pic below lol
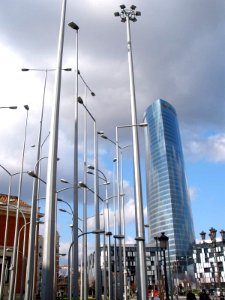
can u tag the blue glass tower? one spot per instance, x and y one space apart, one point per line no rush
168 200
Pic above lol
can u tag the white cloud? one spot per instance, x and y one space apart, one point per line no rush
193 192
211 148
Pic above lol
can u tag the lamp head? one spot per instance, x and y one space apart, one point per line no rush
32 174
122 6
67 69
163 240
24 69
26 107
202 234
100 132
123 19
80 100
64 180
133 7
12 107
73 26
116 14
138 13
92 94
212 233
82 185
91 167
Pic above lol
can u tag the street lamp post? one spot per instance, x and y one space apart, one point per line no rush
15 242
96 205
48 284
163 241
84 290
157 264
212 235
128 15
75 197
108 233
72 244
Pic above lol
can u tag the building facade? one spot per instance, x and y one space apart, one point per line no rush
24 218
168 202
209 264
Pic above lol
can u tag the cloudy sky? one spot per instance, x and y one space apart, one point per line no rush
178 49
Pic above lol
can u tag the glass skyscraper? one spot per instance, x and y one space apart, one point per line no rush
168 201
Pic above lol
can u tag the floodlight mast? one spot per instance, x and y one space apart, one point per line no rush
127 15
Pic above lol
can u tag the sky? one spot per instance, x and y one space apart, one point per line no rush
178 51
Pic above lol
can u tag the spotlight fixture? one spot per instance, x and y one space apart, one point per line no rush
138 13
117 14
123 19
133 7
122 6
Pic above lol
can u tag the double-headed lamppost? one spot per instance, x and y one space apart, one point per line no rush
31 247
163 244
127 15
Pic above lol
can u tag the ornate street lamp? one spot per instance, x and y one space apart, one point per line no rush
212 234
222 233
163 244
203 235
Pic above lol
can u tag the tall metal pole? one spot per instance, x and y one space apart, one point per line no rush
98 286
48 288
85 284
115 247
33 218
126 16
120 294
75 196
123 225
108 233
15 243
165 275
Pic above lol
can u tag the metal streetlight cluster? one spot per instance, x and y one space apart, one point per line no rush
51 199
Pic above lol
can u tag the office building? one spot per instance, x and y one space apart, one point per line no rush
168 202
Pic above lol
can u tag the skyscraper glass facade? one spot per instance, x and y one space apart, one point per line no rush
168 200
